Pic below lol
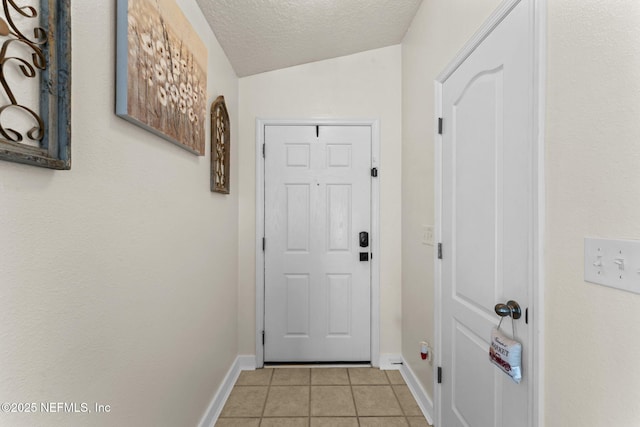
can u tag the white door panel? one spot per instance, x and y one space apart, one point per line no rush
317 200
487 223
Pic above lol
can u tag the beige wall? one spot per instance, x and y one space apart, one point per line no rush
593 187
118 277
438 32
364 85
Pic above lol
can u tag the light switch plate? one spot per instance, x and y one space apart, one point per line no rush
613 263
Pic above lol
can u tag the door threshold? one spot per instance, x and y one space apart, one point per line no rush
280 365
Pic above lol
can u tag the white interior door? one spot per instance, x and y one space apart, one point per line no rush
317 201
487 224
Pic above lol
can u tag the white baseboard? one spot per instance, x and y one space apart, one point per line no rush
242 363
390 361
246 363
424 401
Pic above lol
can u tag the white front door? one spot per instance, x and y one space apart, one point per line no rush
487 224
317 202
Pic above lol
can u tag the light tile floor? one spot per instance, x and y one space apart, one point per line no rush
321 397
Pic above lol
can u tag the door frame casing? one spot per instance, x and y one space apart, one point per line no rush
538 90
374 238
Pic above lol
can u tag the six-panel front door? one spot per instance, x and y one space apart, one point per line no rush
487 224
317 202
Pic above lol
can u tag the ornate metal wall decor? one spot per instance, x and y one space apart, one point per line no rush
161 79
220 146
35 75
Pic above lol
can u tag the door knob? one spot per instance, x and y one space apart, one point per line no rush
511 308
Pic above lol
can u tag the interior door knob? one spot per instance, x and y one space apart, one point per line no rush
511 308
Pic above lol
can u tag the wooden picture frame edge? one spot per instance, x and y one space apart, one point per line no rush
219 104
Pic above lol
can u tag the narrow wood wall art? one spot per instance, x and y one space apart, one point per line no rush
220 146
161 78
35 75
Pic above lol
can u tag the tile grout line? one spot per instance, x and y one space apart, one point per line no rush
404 413
264 405
353 397
309 418
393 390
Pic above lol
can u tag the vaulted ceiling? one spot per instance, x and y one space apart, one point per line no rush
265 35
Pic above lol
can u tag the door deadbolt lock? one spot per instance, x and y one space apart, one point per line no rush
364 239
364 256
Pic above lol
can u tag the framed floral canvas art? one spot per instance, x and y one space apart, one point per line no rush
161 81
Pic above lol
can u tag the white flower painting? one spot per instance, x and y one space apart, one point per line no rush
166 73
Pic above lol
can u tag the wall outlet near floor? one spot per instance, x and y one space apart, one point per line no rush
427 235
426 352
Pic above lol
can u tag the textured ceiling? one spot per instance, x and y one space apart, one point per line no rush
264 35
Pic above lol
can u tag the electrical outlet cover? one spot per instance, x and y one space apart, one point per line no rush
427 235
613 263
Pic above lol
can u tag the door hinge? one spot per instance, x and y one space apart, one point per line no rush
374 172
263 338
317 131
439 375
263 150
264 244
440 125
439 250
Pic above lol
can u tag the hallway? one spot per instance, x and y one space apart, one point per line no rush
321 397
